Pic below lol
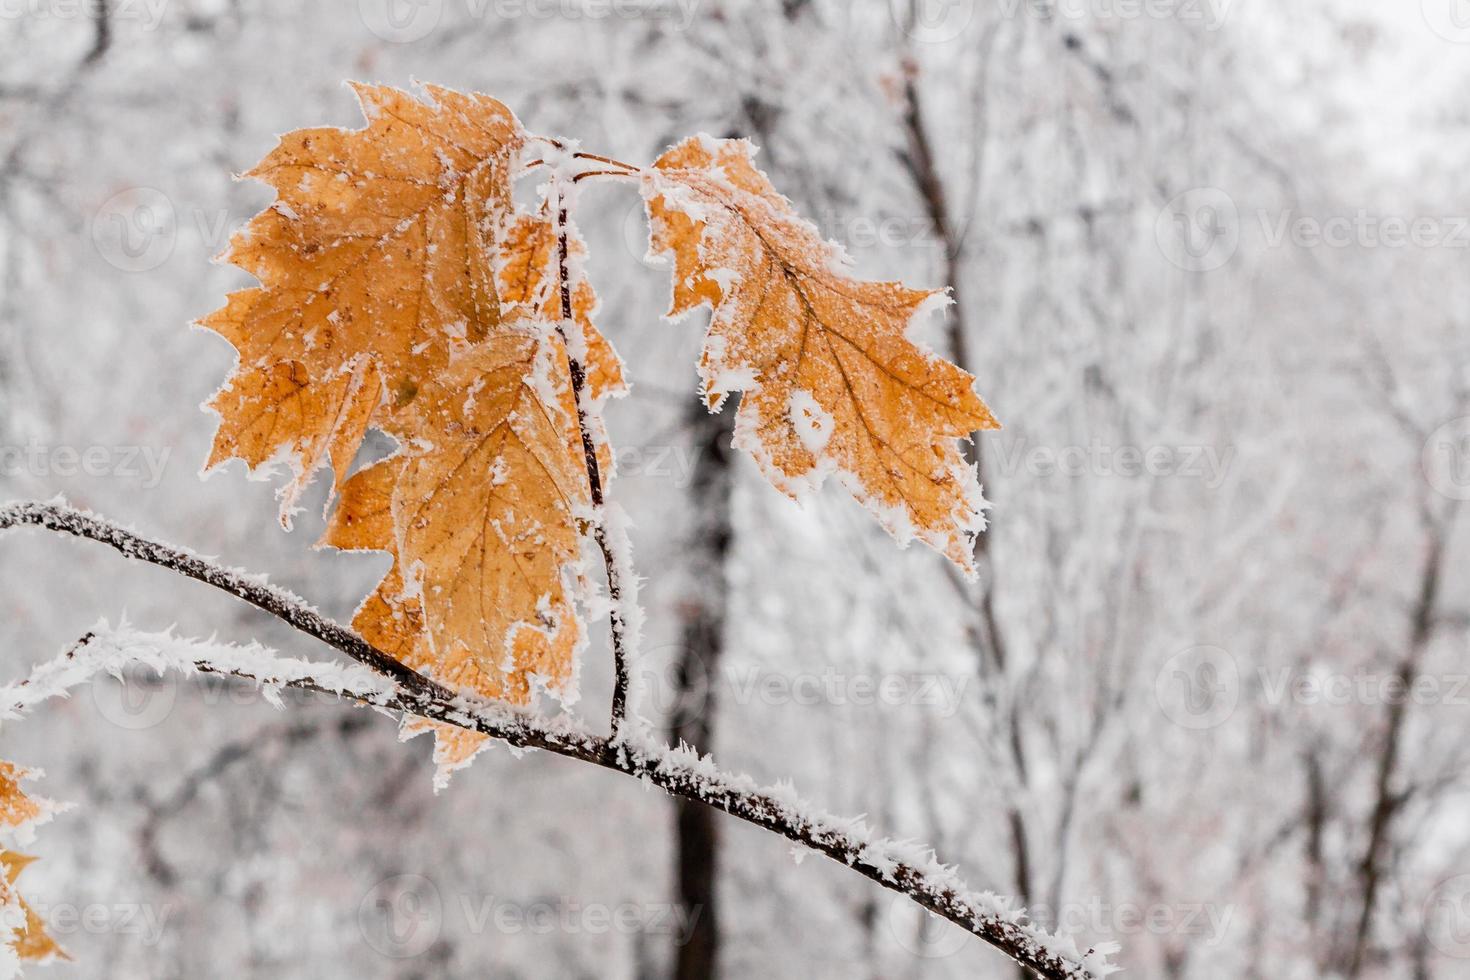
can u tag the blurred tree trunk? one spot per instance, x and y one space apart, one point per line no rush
703 617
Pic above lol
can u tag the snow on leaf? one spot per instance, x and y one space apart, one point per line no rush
19 813
26 934
23 936
484 529
832 381
374 265
527 283
400 290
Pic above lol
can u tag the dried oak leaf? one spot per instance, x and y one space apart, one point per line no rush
508 403
400 291
482 510
18 811
527 279
483 521
28 939
22 933
375 262
832 381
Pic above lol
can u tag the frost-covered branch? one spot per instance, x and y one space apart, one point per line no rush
902 867
622 582
250 588
108 650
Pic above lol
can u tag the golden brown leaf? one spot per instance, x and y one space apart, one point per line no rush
400 291
486 517
528 290
30 942
832 381
483 526
267 410
17 810
392 620
20 928
375 263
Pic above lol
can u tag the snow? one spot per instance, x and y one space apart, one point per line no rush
1079 331
854 841
111 649
615 526
812 422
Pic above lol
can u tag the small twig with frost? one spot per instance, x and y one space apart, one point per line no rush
622 581
108 650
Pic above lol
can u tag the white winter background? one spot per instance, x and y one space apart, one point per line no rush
1211 264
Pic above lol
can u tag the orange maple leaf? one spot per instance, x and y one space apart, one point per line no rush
832 380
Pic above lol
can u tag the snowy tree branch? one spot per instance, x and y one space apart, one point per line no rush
107 650
901 867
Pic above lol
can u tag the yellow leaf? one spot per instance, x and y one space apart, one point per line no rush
832 381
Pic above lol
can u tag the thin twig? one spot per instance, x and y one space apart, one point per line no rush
672 772
622 677
607 160
276 601
603 173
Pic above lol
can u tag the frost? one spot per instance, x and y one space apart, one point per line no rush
109 650
615 526
853 841
813 423
724 278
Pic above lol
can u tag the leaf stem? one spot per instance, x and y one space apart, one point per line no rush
603 173
607 160
618 618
